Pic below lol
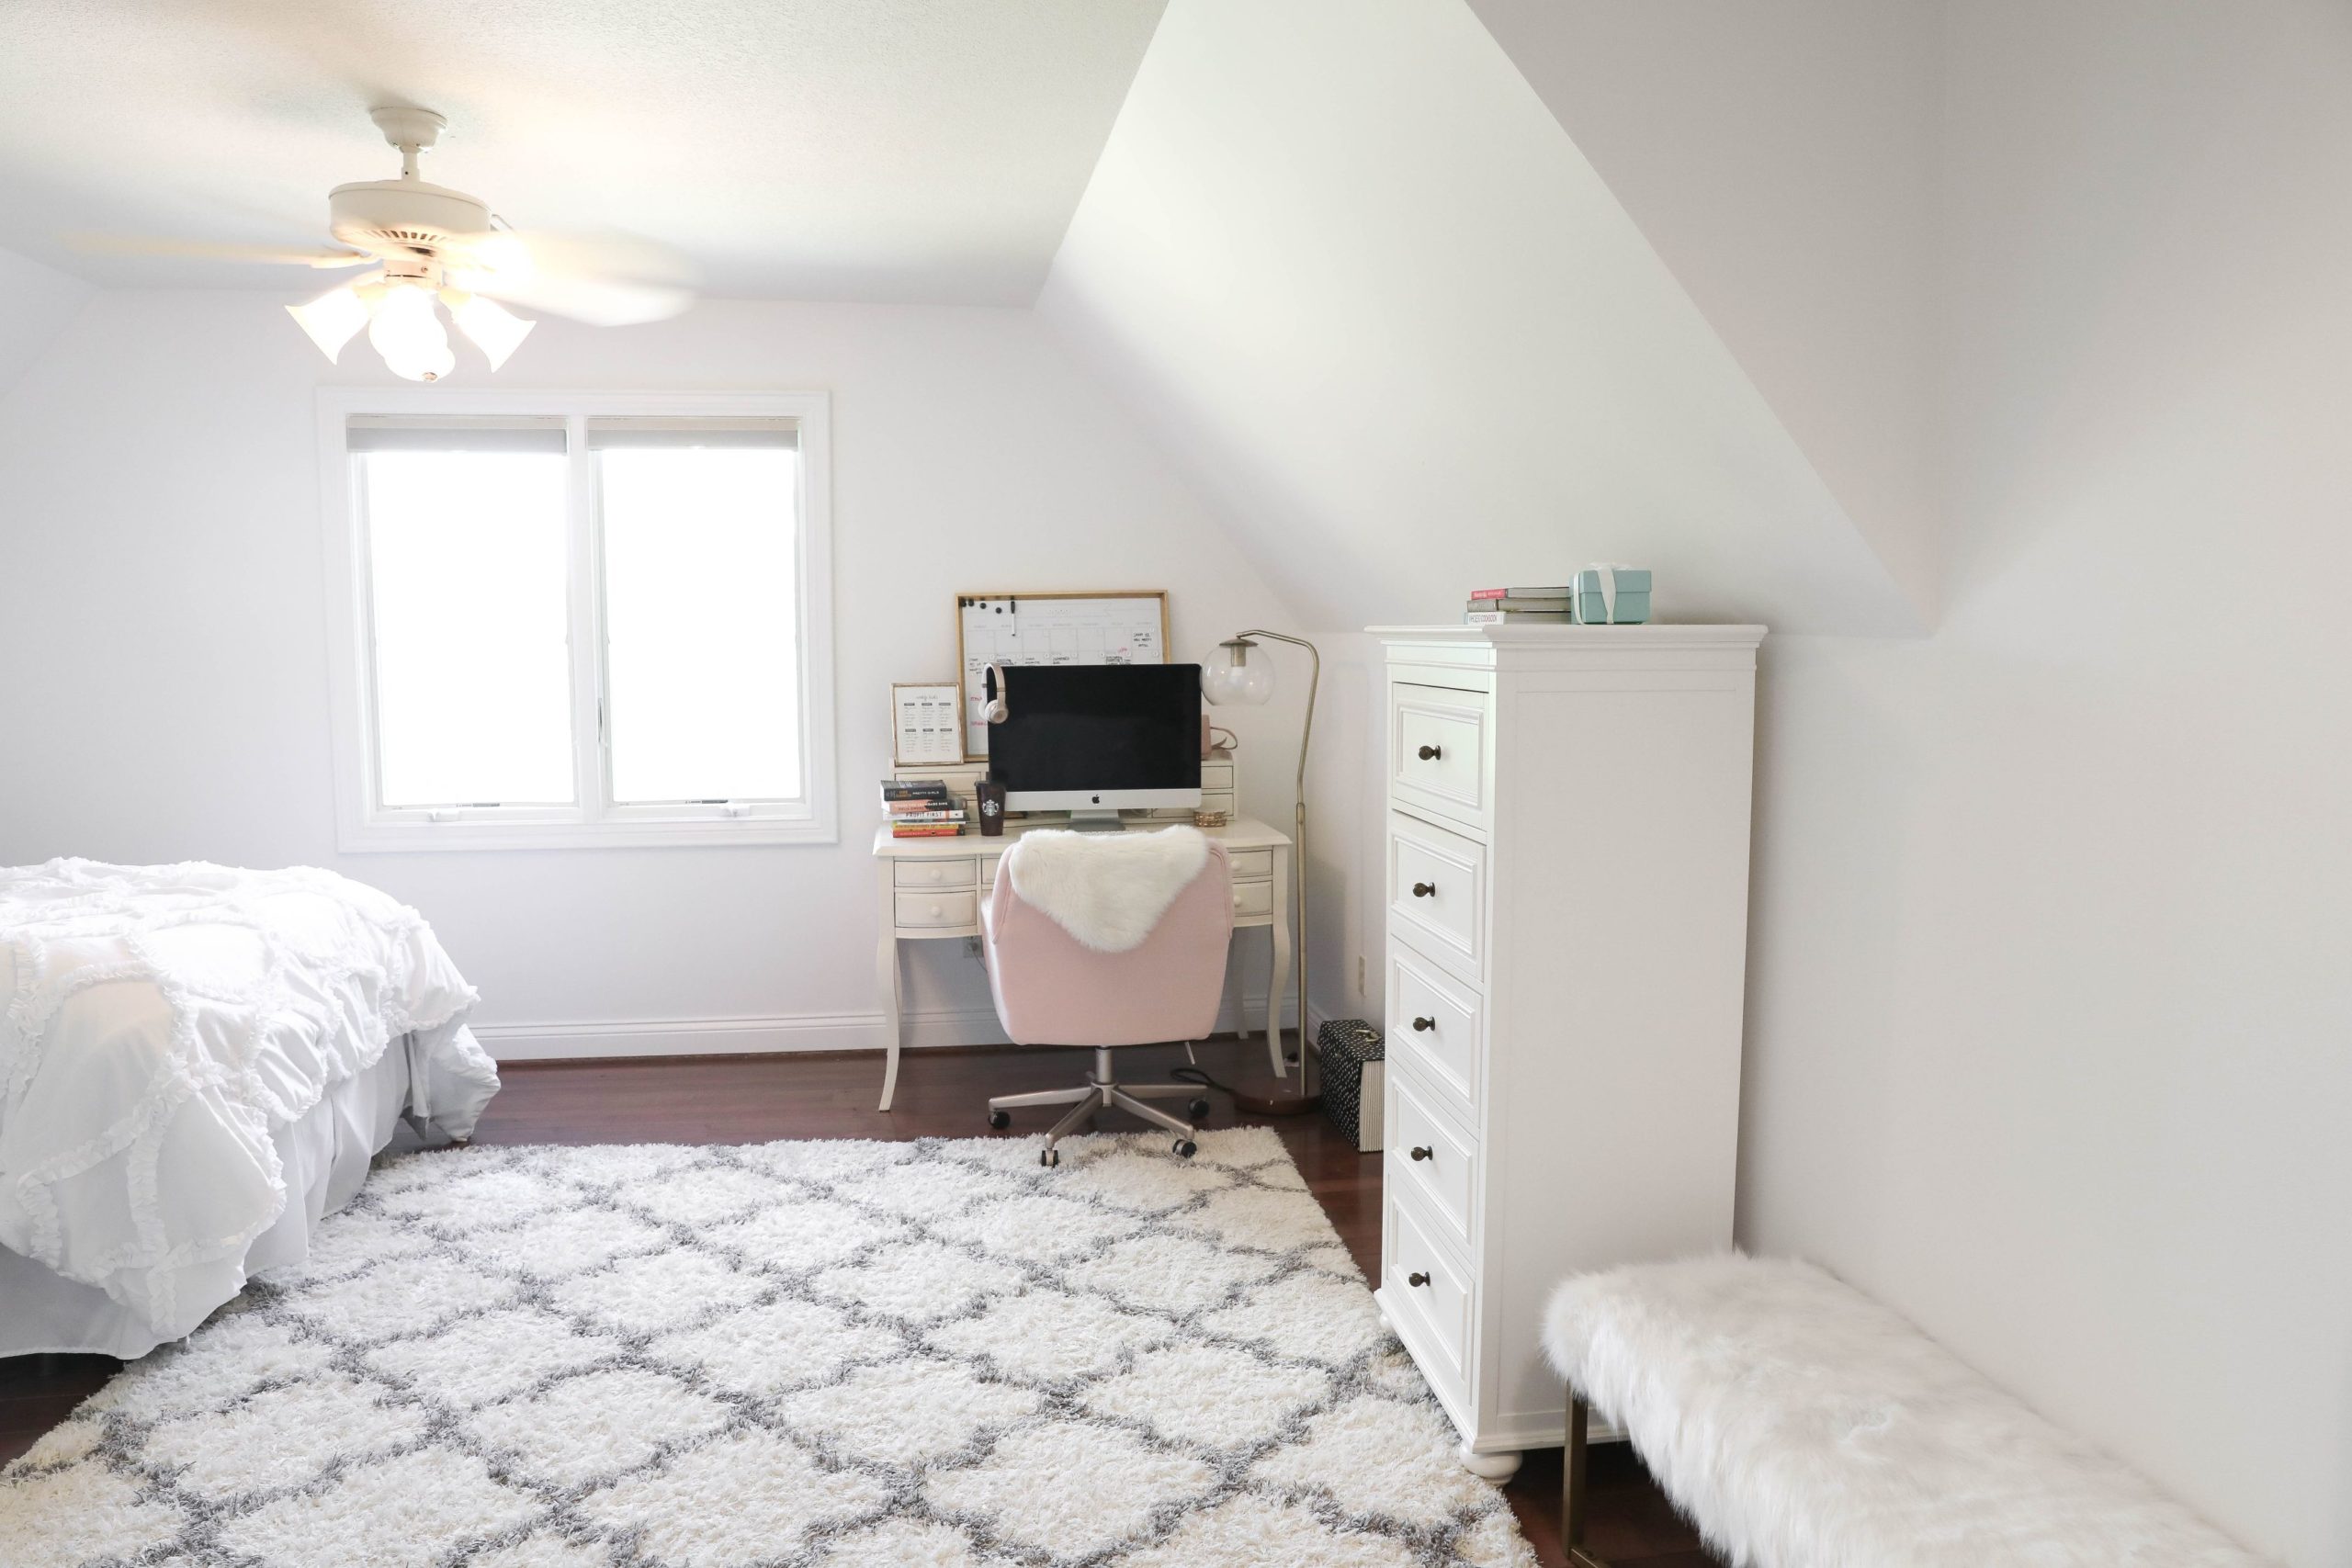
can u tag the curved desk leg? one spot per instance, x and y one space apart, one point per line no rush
887 972
1278 980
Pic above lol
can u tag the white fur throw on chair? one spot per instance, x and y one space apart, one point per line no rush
1106 889
1802 1425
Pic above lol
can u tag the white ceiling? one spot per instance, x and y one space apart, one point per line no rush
896 150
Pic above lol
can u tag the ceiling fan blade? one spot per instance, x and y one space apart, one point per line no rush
148 245
608 280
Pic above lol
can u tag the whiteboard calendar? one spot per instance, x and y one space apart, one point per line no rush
1051 628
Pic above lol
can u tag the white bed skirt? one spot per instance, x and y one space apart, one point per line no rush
325 1153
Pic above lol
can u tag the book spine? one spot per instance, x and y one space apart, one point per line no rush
1489 592
923 818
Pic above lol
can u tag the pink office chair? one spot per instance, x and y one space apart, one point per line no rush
1051 989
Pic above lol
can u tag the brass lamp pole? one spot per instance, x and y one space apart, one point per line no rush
1240 682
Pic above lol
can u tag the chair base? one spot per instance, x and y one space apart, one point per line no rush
1102 1092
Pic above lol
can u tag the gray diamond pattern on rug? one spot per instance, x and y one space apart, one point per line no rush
802 1355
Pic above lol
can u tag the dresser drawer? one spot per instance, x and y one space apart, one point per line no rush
1437 887
1442 1301
1433 1030
1249 864
1428 1155
933 873
923 910
1437 739
1253 899
1216 776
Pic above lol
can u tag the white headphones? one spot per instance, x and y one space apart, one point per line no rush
995 712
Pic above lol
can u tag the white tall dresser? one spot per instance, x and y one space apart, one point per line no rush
1566 881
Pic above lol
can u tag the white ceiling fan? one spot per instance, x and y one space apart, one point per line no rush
433 248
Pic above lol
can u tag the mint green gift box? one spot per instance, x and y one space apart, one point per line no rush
1631 597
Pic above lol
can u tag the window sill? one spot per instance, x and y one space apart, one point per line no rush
378 838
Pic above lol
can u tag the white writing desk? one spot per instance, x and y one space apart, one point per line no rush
932 888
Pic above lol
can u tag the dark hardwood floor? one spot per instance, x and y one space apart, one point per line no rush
735 1099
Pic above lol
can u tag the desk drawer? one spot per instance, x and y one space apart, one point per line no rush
1252 899
1428 1154
1216 776
1249 863
987 868
1444 1299
1437 760
1437 888
918 910
1433 1029
933 873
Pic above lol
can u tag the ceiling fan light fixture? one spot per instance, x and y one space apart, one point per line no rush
407 332
332 320
495 330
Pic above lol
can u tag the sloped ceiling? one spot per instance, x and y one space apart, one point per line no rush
36 302
1351 267
1780 158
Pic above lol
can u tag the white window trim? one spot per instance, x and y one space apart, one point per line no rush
361 825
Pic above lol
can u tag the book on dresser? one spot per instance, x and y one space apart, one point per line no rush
1566 878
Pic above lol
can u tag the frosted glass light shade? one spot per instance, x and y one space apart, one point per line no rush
495 330
1237 679
408 333
332 320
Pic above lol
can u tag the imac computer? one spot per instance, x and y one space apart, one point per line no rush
1090 739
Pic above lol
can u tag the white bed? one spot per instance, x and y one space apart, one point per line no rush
195 1065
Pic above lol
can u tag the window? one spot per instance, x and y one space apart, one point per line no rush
592 621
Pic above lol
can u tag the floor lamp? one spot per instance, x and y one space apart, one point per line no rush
1239 680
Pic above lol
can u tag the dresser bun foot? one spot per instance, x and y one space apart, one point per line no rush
1497 1468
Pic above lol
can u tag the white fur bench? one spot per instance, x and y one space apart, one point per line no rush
1801 1425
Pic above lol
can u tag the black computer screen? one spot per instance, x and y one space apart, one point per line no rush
1098 727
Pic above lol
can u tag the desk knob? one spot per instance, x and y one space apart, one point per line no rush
1423 889
1417 1279
1424 1152
1432 753
1423 1025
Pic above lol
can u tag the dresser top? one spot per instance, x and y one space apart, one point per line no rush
1554 635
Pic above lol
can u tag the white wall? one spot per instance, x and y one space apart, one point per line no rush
2050 1000
162 631
1774 154
1353 271
36 303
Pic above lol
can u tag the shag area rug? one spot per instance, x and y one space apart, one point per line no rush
828 1353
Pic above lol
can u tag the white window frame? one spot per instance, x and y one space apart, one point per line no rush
364 824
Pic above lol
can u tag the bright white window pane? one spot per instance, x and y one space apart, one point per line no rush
465 570
701 623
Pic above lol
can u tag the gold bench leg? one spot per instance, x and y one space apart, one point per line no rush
1572 1489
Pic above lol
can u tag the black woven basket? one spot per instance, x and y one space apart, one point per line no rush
1344 1045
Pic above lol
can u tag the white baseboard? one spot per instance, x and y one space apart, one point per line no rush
774 1034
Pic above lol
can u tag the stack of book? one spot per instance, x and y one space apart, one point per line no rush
921 808
1520 606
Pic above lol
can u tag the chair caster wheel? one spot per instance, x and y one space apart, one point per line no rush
1199 1110
999 1120
1050 1157
1187 1149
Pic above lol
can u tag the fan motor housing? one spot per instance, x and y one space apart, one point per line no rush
396 215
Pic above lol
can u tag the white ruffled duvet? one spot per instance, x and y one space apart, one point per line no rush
158 1023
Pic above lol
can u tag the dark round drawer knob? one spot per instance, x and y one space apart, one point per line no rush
1417 1279
1423 1025
1423 889
1424 1152
1432 753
